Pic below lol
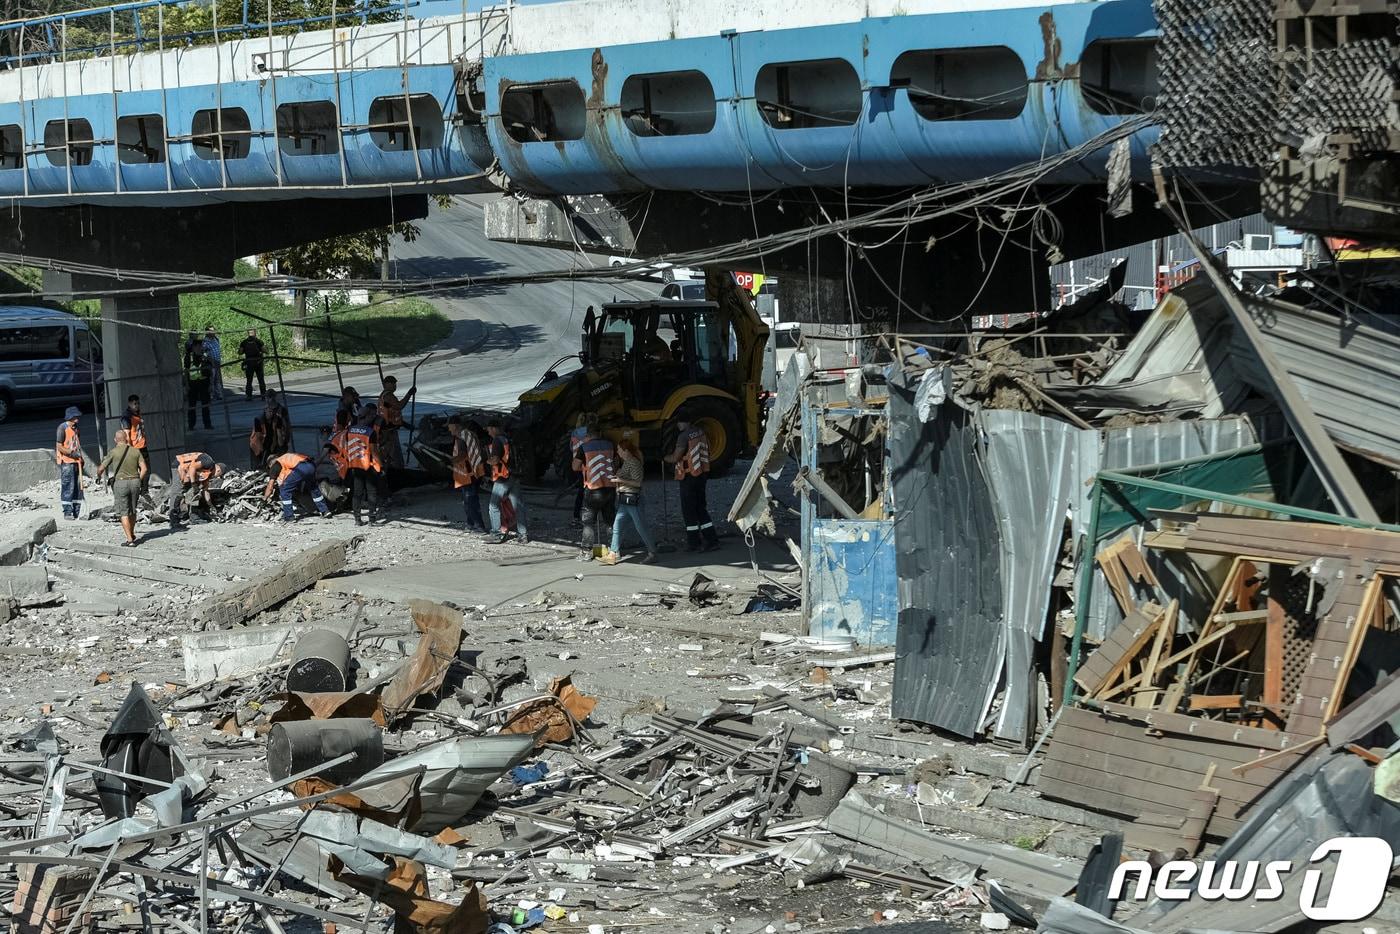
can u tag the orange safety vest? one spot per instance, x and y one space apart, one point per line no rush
467 462
696 460
71 451
361 453
257 438
391 408
598 455
188 469
288 463
338 443
576 438
501 471
135 434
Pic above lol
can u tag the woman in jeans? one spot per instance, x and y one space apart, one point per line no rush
629 503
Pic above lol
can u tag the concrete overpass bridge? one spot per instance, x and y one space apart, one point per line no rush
176 136
119 107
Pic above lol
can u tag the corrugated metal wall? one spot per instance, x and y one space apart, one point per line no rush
1142 274
950 642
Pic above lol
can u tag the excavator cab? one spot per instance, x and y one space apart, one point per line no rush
647 366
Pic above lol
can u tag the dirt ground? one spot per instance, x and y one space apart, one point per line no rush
628 635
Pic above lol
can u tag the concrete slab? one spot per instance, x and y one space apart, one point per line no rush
233 652
19 470
242 601
492 582
24 581
17 547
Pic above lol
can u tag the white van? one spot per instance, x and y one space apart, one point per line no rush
47 358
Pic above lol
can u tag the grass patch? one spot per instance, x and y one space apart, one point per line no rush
395 328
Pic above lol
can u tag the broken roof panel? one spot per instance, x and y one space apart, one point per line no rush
1347 369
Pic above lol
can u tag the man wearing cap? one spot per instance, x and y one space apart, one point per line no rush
68 452
391 410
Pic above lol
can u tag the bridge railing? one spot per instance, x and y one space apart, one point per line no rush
150 25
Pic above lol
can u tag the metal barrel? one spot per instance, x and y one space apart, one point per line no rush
298 745
320 662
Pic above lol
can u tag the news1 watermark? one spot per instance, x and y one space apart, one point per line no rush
1358 879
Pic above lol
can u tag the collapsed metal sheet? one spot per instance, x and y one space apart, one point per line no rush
1031 473
1327 795
751 505
950 642
1347 370
1141 446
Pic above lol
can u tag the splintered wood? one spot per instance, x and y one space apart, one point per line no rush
1194 716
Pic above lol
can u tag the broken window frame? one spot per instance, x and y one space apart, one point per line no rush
644 119
782 110
221 141
544 112
399 124
72 146
1105 65
148 127
934 100
301 122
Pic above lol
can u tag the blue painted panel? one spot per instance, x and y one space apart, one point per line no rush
853 587
365 162
708 159
814 156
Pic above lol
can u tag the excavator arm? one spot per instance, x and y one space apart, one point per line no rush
751 334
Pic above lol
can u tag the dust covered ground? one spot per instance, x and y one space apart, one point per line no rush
628 635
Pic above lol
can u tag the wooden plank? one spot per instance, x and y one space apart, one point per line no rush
1166 627
1194 648
1109 731
1117 652
1243 617
1172 699
1281 756
1366 713
1215 701
1060 788
1203 729
1164 761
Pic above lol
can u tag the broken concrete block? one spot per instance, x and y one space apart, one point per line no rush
26 581
230 653
17 547
995 921
231 607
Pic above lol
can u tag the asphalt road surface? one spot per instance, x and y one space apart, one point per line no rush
504 337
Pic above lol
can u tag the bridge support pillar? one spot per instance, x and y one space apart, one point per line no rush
141 346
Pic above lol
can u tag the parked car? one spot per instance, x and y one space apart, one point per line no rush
685 290
47 358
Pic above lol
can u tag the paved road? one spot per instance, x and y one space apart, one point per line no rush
505 336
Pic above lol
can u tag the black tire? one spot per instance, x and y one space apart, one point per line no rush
7 405
721 423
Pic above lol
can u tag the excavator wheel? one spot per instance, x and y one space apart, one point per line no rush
720 423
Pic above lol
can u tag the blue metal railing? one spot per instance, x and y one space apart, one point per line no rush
140 39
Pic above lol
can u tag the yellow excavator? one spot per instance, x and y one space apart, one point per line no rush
643 367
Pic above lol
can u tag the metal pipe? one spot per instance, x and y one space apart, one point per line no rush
1086 587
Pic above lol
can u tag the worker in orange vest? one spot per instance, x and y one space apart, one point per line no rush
692 459
135 428
468 469
504 486
362 460
68 453
193 471
576 437
596 462
391 408
291 474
